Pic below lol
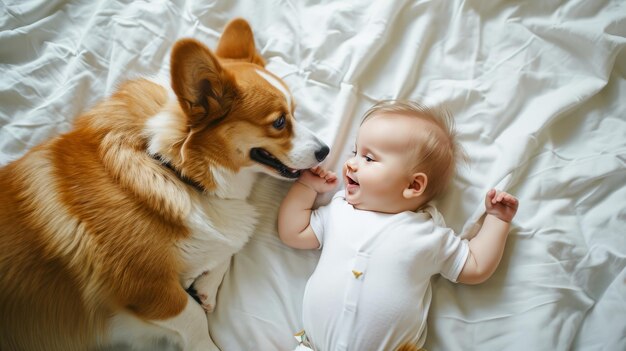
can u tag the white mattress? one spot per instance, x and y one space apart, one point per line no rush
538 91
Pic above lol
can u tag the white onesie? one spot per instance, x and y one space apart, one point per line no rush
371 287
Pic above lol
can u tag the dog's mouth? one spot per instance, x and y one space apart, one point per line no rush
265 158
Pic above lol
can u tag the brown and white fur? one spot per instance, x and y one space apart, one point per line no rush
103 228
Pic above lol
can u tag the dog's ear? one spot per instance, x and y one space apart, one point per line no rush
237 43
204 89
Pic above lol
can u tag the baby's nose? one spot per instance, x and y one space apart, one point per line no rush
351 163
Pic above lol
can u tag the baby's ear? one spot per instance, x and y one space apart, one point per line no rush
416 188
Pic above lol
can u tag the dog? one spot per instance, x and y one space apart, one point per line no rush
103 228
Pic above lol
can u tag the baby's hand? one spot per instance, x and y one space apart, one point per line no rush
318 179
501 204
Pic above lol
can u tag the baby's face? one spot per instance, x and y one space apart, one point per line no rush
377 174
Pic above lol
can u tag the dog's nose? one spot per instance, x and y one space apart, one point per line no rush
321 154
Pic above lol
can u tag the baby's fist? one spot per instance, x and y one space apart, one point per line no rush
501 204
318 179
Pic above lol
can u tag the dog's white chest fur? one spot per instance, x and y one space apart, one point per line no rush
220 225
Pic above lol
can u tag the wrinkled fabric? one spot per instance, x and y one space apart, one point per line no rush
536 89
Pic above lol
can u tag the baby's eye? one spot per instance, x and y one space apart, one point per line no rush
353 152
368 159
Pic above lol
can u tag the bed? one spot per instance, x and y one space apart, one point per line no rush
537 90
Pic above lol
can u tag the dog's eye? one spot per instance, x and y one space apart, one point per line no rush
279 123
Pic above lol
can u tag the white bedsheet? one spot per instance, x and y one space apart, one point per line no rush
538 91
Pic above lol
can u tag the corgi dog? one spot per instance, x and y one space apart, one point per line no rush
103 228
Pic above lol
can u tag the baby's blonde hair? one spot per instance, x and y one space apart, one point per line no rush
436 150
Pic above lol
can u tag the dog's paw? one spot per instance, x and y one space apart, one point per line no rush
205 291
206 303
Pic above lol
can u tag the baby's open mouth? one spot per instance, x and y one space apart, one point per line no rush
351 181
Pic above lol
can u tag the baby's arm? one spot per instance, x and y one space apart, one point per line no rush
295 210
487 246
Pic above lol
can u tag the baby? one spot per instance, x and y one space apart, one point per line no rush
381 241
